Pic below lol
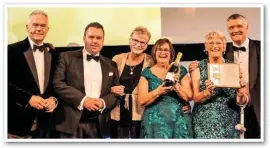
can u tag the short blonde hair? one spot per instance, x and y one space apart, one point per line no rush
211 34
142 30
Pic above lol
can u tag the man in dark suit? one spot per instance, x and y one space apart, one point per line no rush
246 52
83 80
30 90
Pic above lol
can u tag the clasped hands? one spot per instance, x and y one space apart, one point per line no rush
39 103
119 90
93 104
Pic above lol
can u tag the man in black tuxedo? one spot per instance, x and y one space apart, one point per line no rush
246 52
82 81
30 90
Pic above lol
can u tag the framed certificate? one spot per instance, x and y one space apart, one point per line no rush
224 75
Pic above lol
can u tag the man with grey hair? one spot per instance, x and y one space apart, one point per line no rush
30 92
246 52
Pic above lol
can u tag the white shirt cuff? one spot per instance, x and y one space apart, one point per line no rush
104 106
80 107
56 102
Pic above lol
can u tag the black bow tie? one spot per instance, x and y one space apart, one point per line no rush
90 57
40 48
239 48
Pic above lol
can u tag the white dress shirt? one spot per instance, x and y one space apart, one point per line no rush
40 65
92 79
242 58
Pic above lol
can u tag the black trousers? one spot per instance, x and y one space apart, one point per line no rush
88 129
125 131
251 124
39 133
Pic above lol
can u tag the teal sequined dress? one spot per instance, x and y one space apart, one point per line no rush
216 118
163 118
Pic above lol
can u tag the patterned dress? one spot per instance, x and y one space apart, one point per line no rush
216 118
164 118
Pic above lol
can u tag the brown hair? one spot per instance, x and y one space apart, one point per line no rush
94 25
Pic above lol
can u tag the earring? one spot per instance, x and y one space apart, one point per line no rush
205 51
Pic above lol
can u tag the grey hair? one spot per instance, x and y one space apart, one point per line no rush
237 16
35 12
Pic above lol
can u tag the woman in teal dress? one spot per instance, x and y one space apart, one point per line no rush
163 117
215 113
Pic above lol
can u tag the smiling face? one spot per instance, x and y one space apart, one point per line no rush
215 46
37 28
163 53
237 29
138 42
93 40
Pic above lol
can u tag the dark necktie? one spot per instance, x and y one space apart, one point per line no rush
40 48
90 57
239 48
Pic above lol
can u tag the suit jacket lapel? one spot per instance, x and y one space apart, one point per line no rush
47 60
252 64
230 53
105 74
31 63
79 70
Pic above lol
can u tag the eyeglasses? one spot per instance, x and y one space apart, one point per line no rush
211 44
135 41
166 50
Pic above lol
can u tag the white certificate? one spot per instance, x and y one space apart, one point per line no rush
224 75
